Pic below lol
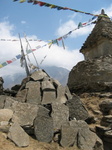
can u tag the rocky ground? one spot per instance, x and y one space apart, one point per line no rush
42 111
91 102
6 144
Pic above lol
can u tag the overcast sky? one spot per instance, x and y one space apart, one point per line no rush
46 24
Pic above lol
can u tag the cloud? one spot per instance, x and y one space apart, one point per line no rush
23 22
71 25
107 10
55 56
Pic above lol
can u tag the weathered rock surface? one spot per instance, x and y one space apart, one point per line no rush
18 135
60 115
77 133
106 120
106 106
91 76
45 109
43 126
76 109
5 114
33 94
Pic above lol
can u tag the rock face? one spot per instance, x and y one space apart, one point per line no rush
91 76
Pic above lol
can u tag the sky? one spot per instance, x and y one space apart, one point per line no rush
43 24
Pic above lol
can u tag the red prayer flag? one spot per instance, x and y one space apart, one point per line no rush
9 61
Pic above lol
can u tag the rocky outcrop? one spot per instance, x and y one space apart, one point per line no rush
91 76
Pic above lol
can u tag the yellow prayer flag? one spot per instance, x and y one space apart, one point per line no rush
52 6
21 1
1 66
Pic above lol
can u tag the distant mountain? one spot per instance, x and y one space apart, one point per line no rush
58 73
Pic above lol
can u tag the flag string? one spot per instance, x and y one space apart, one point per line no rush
80 25
52 6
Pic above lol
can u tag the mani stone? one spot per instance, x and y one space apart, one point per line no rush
34 95
47 86
77 133
24 113
69 134
61 94
60 115
43 126
48 97
22 95
76 108
38 75
18 135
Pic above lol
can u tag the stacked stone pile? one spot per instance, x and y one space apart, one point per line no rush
45 109
104 130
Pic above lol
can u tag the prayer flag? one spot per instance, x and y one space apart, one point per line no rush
18 56
1 66
22 1
79 25
13 59
4 64
9 61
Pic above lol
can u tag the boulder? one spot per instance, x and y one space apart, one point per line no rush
18 135
60 115
76 108
91 76
43 126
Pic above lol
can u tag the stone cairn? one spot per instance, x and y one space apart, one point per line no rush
104 130
44 109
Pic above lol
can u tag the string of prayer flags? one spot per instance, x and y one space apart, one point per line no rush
14 40
19 56
40 3
21 1
50 43
80 25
